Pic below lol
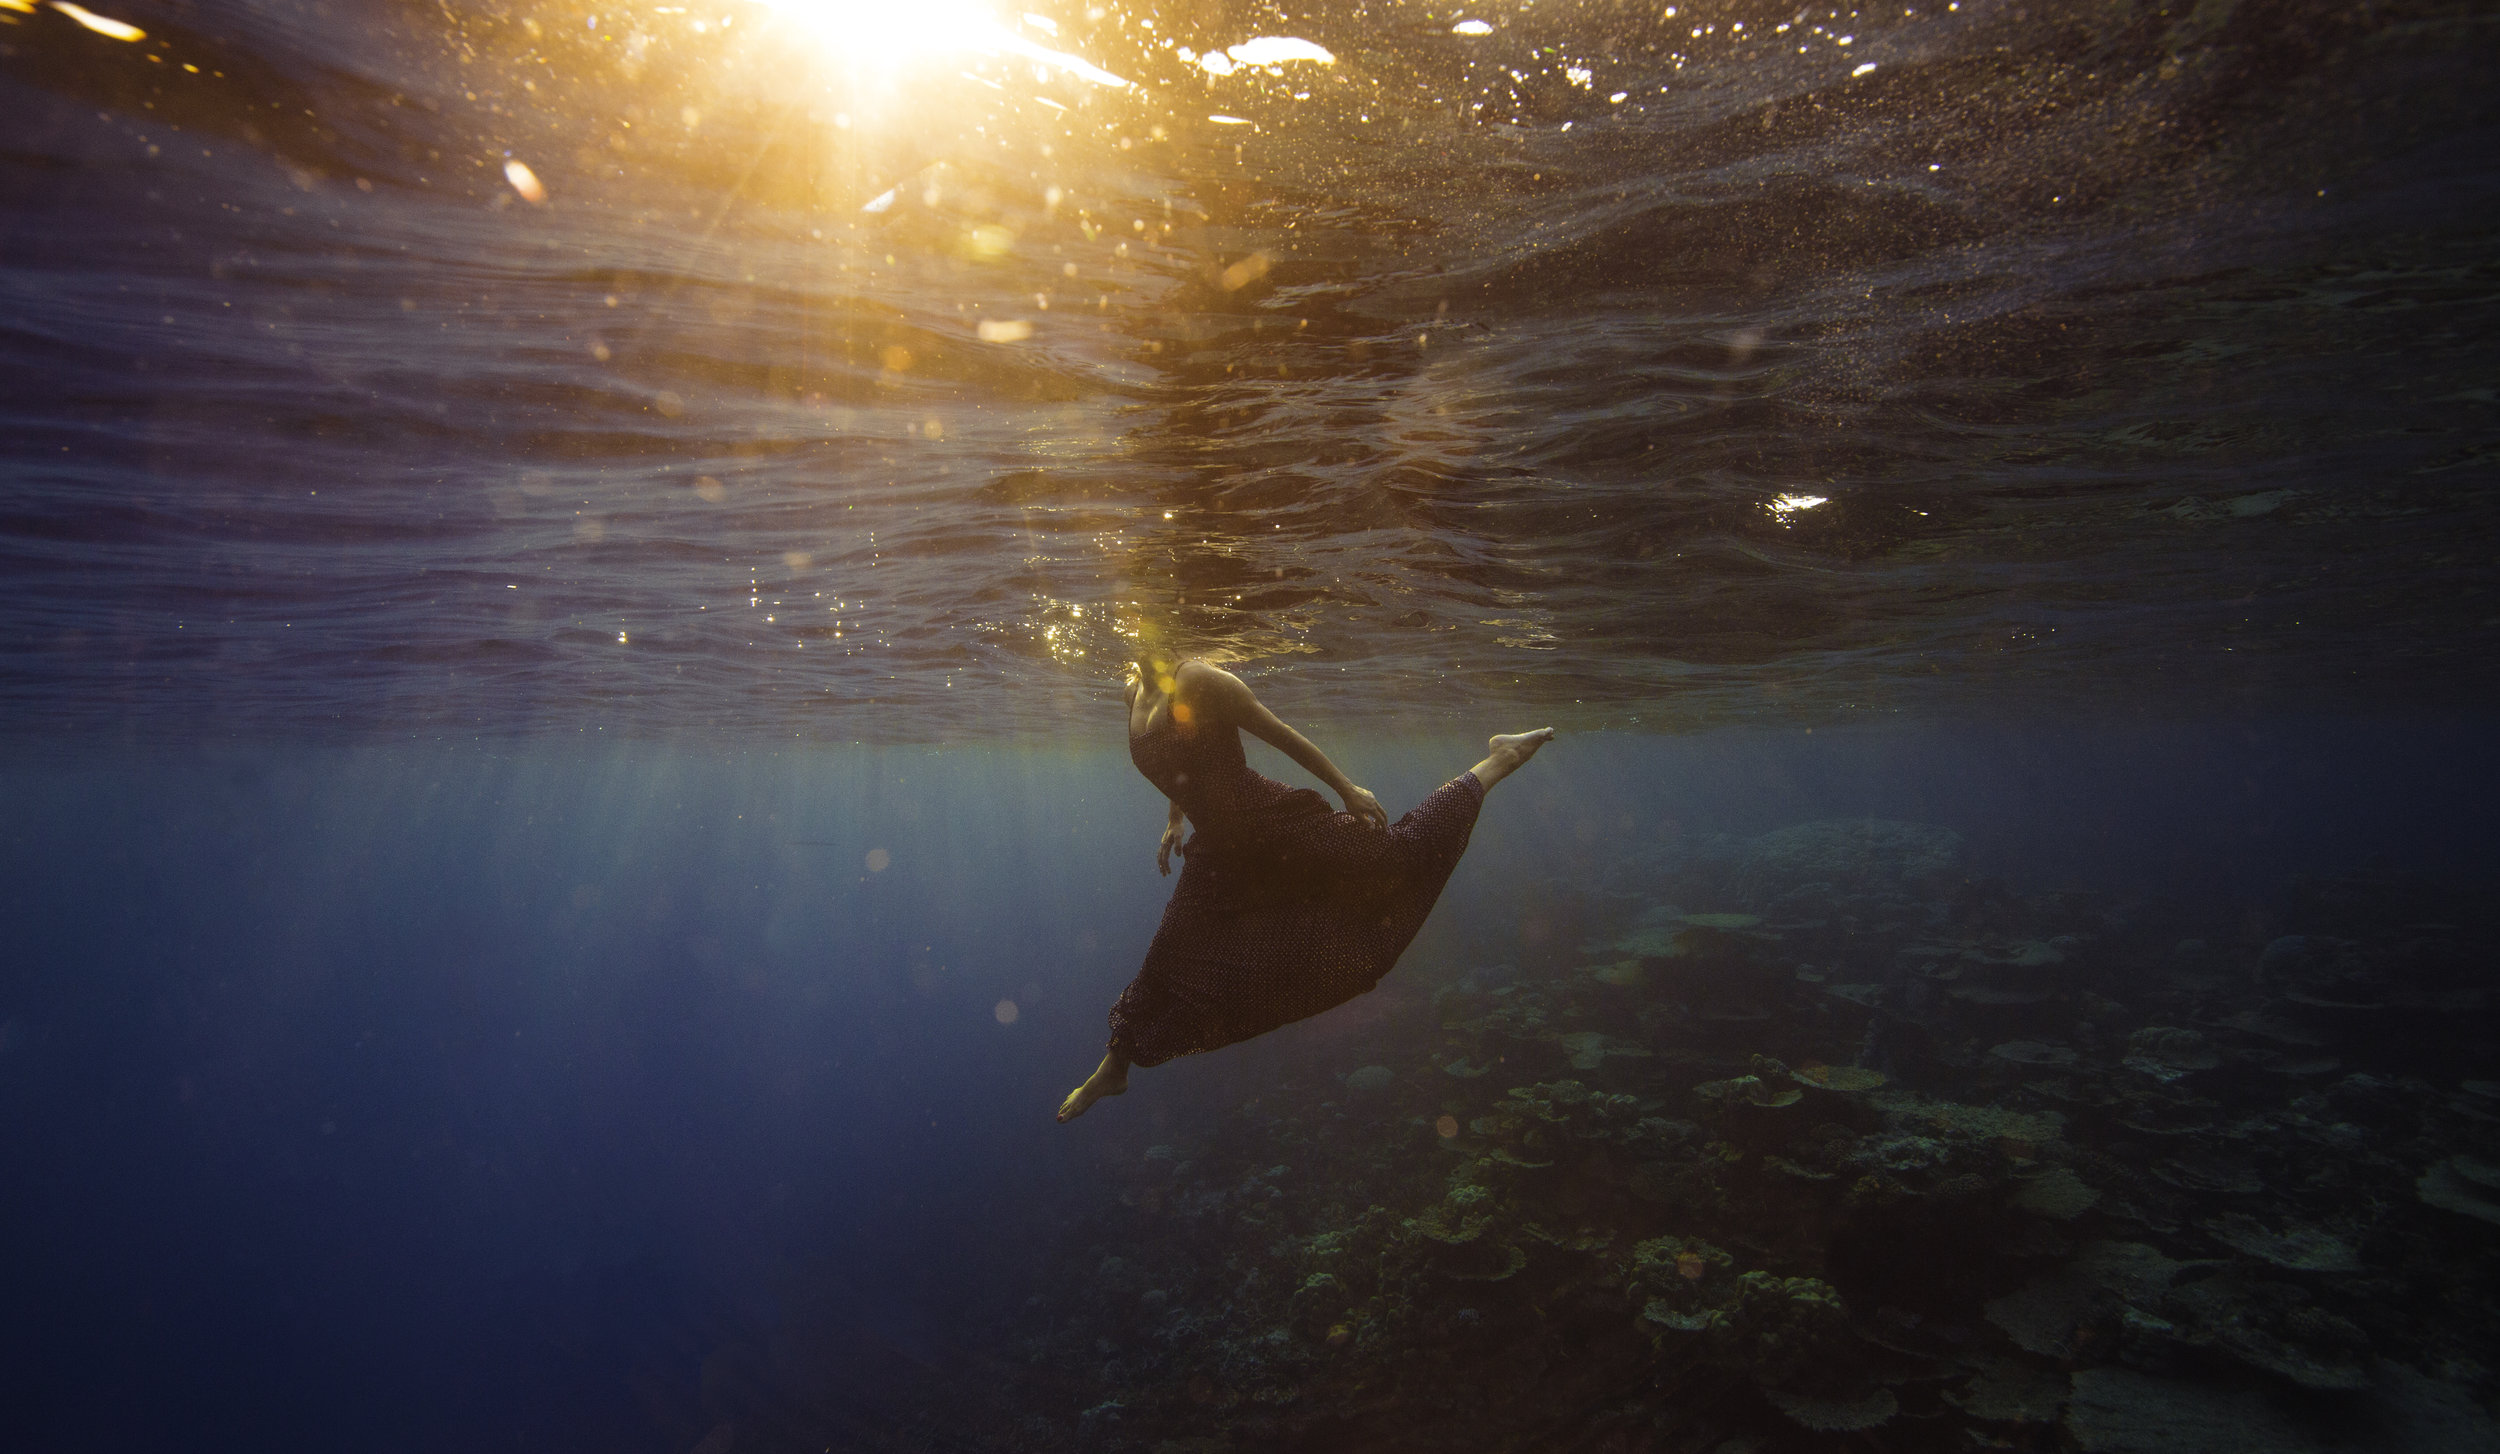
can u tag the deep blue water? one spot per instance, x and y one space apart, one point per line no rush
464 1095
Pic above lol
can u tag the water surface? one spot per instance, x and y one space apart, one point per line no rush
1824 362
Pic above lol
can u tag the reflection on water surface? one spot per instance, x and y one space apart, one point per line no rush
497 370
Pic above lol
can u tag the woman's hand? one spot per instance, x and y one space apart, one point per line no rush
1163 850
1363 805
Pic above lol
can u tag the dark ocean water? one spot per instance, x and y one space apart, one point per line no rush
565 574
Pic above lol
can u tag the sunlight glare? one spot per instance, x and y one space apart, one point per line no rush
865 34
1275 50
103 25
525 182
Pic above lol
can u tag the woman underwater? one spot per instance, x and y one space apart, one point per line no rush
1284 908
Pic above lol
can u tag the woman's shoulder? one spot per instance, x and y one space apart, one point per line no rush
1206 683
1206 695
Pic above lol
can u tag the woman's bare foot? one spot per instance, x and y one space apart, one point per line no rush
1504 752
1109 1079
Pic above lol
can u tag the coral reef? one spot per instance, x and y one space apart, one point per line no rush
1822 1140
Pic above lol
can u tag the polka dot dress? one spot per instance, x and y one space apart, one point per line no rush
1285 907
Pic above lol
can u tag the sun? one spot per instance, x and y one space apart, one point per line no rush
875 38
867 35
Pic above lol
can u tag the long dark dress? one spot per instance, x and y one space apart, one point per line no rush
1285 907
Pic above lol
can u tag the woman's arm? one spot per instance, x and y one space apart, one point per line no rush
1171 838
1230 700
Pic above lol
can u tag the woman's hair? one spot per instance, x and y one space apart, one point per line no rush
1157 647
1153 652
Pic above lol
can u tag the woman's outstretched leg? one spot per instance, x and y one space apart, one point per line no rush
1109 1079
1503 754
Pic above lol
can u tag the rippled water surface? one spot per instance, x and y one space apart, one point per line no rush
761 370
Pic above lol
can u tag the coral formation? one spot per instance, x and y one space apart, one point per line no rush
2463 1184
1817 1134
